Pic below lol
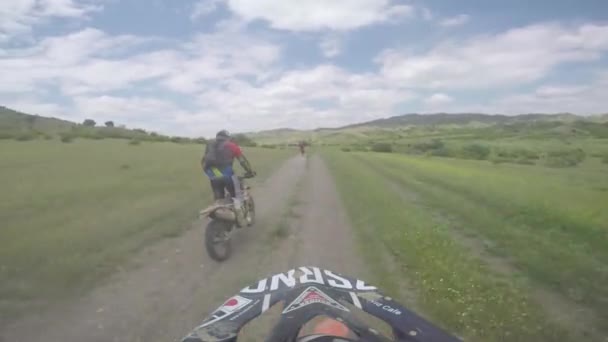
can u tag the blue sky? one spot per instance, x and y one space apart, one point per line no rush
193 67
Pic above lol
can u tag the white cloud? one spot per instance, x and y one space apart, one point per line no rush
560 90
86 61
79 59
438 99
514 57
584 99
325 95
237 78
314 15
426 13
203 8
455 21
331 45
19 16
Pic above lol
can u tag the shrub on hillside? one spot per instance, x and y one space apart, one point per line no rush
269 146
518 153
605 158
476 151
382 147
25 136
442 152
565 158
134 142
66 137
6 135
345 149
426 146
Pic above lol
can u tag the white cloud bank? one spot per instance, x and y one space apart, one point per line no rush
458 20
19 16
234 79
314 15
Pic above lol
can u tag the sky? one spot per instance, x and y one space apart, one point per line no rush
193 67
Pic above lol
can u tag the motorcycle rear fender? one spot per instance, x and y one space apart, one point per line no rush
221 212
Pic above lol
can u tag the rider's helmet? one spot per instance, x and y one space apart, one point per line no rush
223 134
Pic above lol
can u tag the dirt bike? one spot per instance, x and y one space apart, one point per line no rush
224 219
317 306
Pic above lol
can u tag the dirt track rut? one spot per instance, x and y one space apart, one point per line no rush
168 288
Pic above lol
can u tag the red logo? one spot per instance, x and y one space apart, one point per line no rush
235 303
313 295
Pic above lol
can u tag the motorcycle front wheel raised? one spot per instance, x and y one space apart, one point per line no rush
217 240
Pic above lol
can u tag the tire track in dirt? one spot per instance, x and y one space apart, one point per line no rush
319 234
168 288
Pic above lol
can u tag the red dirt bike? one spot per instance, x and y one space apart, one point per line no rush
223 221
317 306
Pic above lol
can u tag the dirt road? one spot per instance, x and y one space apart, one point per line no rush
168 288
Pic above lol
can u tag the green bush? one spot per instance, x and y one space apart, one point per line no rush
6 135
525 162
382 147
565 158
499 160
441 152
605 159
476 151
66 137
134 142
519 153
345 149
434 144
269 146
48 137
25 136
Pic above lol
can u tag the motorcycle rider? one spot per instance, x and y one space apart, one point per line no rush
302 146
217 164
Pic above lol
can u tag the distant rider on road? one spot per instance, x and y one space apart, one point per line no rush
217 164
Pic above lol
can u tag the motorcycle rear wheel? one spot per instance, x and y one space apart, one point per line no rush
218 240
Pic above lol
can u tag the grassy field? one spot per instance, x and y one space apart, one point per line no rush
494 252
72 212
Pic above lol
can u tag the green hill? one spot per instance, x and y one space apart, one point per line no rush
13 123
22 126
444 124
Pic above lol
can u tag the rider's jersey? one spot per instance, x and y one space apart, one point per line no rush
219 157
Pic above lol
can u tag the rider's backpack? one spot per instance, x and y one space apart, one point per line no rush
217 155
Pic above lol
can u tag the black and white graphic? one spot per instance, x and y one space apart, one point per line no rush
313 295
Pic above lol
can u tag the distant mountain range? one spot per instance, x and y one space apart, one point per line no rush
13 120
464 119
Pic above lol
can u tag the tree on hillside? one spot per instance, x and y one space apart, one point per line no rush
89 123
109 123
